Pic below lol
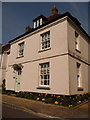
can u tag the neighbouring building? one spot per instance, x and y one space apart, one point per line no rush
0 65
4 62
51 57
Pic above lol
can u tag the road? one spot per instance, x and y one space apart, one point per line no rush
12 112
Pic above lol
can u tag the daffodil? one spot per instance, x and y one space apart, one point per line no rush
85 92
51 95
21 91
70 105
58 96
56 102
37 98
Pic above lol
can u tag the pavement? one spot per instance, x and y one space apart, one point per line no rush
47 110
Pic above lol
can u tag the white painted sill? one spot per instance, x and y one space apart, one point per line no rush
44 50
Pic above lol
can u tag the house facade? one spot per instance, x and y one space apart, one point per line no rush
0 64
51 57
4 62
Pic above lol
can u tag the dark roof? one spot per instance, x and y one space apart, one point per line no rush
52 19
41 16
5 47
53 16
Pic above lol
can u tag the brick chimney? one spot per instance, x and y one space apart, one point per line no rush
28 29
54 10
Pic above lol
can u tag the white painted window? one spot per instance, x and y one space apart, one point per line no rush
77 41
20 49
78 74
45 74
41 21
35 24
45 40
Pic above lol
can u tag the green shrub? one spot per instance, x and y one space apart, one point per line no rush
49 100
66 101
3 85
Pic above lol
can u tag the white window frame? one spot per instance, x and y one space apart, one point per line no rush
78 65
21 49
40 21
45 41
44 72
77 41
35 24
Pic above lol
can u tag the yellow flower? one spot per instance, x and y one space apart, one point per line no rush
82 94
70 105
56 102
51 95
85 92
21 91
37 98
45 95
58 96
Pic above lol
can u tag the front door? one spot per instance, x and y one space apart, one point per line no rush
17 81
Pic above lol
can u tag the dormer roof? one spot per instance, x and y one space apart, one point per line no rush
41 16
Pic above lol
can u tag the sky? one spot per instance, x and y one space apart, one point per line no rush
16 16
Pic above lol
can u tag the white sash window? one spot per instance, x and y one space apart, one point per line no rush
21 49
45 40
45 74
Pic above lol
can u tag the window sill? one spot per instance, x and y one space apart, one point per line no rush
44 88
78 50
80 89
19 57
44 50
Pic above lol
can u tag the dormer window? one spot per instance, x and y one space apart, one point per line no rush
34 24
39 21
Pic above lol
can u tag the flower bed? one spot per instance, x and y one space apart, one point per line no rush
64 100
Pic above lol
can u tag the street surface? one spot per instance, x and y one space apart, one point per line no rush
41 110
11 112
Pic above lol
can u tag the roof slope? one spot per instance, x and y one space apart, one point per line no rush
51 19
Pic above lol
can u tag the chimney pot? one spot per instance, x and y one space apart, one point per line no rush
28 28
54 10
